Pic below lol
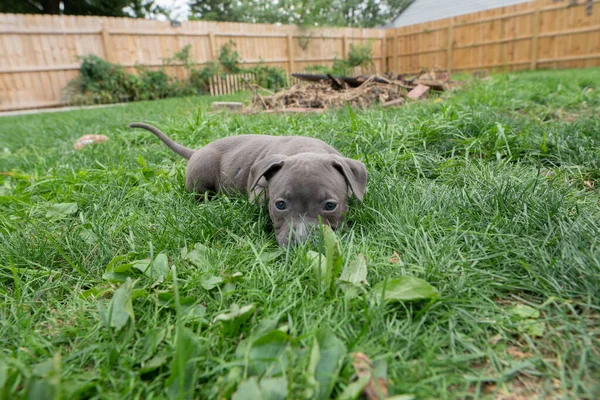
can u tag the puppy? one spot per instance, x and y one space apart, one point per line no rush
300 178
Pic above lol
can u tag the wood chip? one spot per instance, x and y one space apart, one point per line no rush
89 139
376 388
418 92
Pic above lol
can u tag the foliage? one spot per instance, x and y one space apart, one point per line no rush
229 58
200 78
145 9
102 82
110 8
359 13
269 77
358 56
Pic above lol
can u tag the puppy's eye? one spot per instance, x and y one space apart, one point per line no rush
280 205
330 206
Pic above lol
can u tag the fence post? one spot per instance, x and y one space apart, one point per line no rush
384 54
290 53
535 27
212 46
344 44
450 45
396 60
106 42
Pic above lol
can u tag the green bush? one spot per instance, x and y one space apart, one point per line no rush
101 82
358 56
269 77
229 58
104 82
155 85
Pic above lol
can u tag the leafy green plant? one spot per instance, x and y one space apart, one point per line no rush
102 82
269 77
156 85
229 58
359 55
200 79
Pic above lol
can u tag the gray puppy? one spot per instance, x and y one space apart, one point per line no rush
301 178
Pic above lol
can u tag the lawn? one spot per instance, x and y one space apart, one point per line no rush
489 194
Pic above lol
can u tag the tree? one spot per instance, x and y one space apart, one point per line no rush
217 10
145 9
110 8
358 13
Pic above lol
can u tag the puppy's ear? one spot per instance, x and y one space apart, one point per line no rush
355 173
265 168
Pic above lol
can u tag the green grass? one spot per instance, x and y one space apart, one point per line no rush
490 195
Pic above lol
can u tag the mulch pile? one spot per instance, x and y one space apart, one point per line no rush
334 92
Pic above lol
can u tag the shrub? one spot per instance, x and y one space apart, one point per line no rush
269 77
229 58
106 82
154 84
358 56
100 81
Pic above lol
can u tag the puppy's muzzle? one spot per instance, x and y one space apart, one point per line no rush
298 230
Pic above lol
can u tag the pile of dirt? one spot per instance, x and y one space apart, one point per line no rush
332 92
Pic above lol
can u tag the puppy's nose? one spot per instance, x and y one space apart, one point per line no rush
299 230
303 229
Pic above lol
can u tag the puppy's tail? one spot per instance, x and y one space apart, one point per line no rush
176 147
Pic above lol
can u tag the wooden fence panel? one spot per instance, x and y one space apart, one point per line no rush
534 34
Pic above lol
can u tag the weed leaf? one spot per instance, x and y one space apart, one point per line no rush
157 270
117 271
356 271
197 256
267 389
319 263
266 354
180 384
332 352
405 288
274 388
211 282
46 382
60 210
353 390
248 390
151 341
522 311
333 255
120 309
235 318
154 363
354 276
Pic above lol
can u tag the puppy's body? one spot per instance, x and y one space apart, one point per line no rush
303 175
226 163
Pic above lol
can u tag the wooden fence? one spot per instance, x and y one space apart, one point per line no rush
38 53
530 35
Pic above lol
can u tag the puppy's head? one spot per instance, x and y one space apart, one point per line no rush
301 188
